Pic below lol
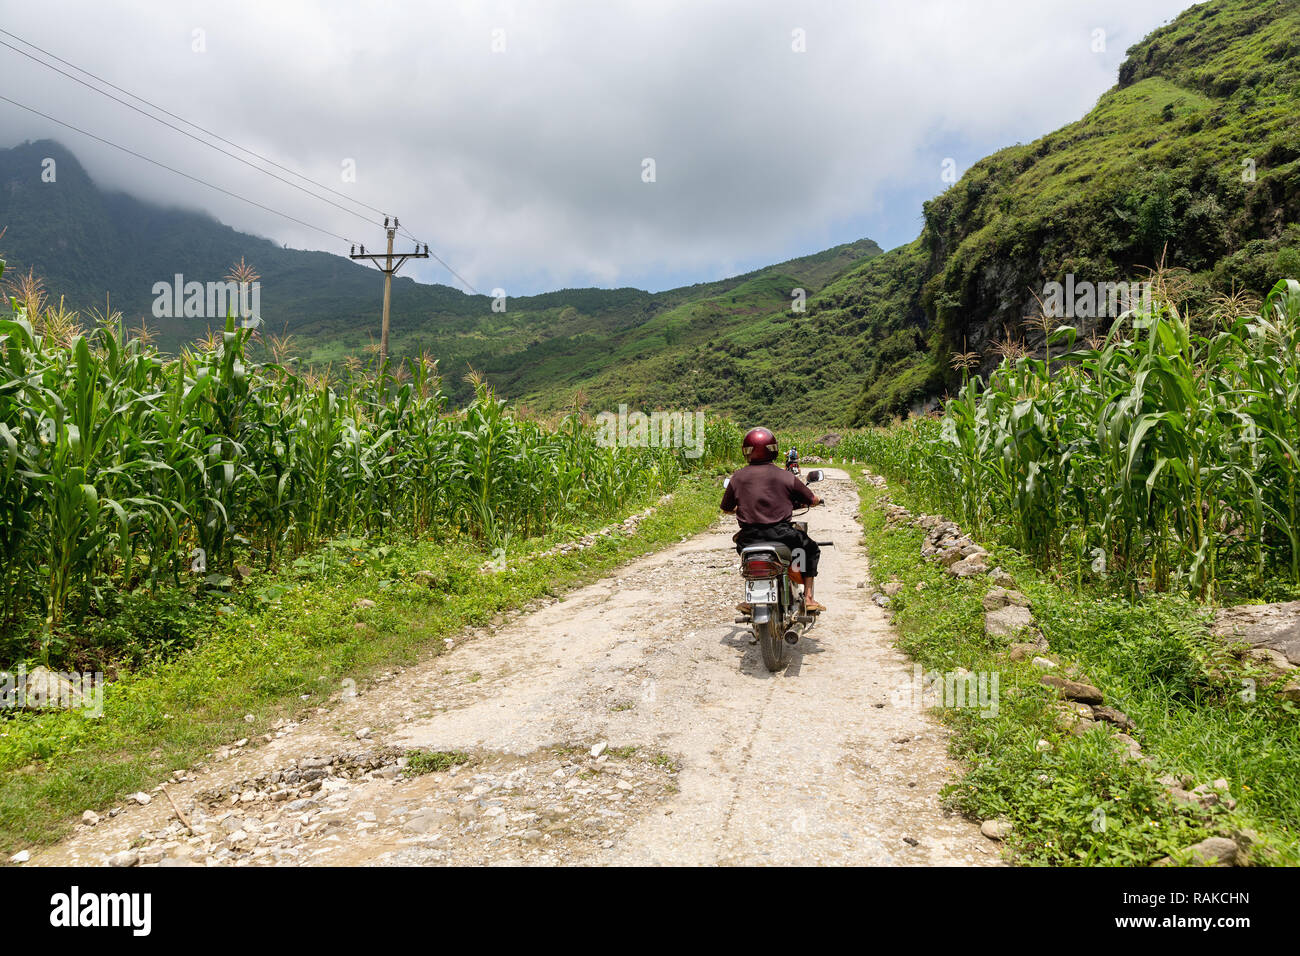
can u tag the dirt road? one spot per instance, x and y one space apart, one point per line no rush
629 723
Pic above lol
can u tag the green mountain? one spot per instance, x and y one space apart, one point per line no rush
687 347
1190 160
88 245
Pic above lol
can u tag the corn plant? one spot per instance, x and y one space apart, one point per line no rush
123 468
1154 455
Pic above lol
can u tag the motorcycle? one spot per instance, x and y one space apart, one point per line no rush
778 612
792 466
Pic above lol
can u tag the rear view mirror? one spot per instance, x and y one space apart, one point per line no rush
815 476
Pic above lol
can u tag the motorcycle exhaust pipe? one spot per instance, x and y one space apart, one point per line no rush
792 636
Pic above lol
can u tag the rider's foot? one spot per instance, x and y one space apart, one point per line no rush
744 607
814 606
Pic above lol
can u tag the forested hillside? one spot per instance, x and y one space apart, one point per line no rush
103 250
1190 160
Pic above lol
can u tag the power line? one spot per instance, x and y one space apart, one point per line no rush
203 142
437 258
170 169
181 119
351 212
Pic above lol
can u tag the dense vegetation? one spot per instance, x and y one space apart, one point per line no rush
1191 161
1074 799
1157 455
1129 483
128 472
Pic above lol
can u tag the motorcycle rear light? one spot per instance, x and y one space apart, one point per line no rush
762 568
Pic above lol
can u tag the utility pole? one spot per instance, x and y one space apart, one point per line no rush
388 268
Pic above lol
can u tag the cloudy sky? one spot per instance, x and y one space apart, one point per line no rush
513 136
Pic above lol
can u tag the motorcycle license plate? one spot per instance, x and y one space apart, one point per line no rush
760 592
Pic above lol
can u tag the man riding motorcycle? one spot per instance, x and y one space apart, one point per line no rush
792 459
762 496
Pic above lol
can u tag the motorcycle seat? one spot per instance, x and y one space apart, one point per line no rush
782 552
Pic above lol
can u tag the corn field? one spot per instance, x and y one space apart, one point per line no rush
121 468
1155 455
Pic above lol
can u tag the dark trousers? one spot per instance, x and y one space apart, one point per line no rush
803 550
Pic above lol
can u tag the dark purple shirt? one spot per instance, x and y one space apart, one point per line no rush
764 494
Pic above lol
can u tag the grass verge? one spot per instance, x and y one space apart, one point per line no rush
1072 799
286 657
433 761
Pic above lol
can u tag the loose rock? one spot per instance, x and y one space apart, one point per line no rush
1113 716
1272 626
1073 689
1007 621
969 566
1000 597
996 829
1215 851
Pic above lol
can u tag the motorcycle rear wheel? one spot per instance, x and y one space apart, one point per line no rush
771 644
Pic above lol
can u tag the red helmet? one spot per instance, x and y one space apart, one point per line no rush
758 445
